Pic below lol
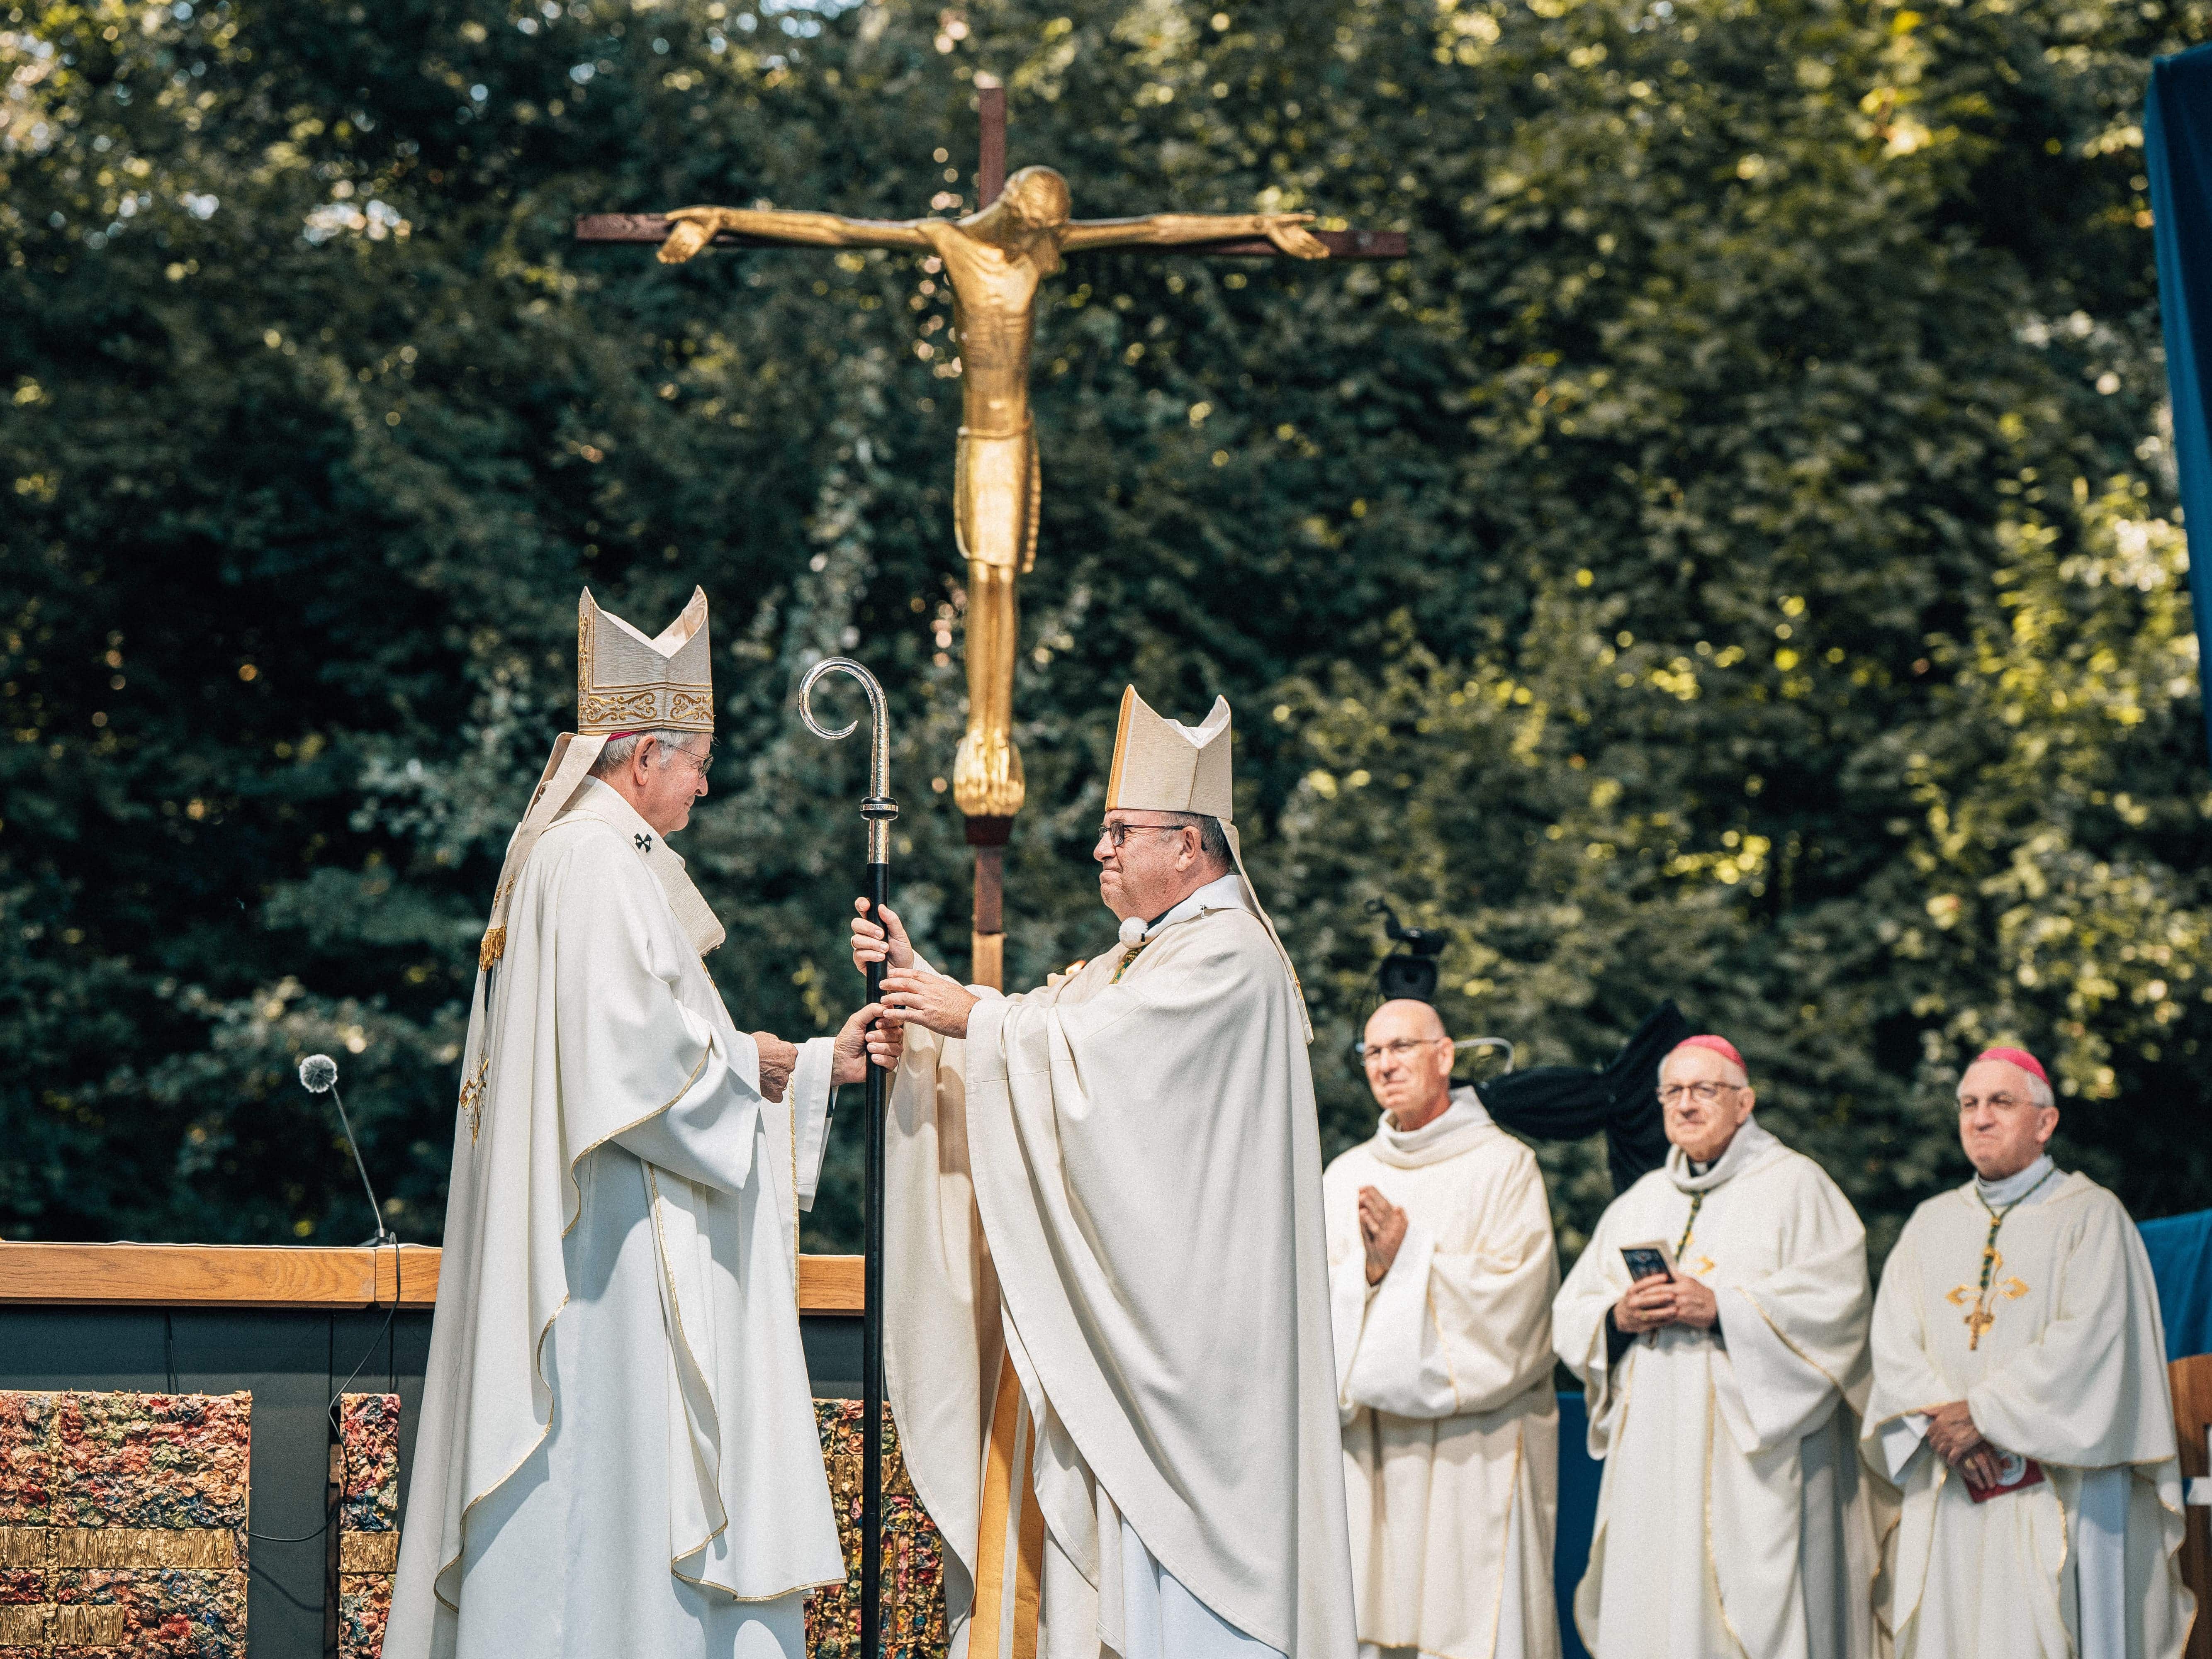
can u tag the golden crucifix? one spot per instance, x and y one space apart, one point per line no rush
993 260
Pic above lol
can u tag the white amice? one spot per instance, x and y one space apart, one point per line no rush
2059 1354
618 1456
1450 1425
1732 1519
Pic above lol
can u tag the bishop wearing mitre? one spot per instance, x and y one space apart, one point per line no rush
1441 1271
1106 1338
617 1454
2019 1400
1719 1322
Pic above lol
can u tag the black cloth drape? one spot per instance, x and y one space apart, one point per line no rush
1565 1102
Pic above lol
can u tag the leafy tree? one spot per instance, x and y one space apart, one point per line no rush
1732 558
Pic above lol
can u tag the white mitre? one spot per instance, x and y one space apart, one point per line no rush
1162 765
625 682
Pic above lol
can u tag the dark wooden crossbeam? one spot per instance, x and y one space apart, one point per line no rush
1342 244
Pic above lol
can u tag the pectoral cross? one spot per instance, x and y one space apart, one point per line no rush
994 261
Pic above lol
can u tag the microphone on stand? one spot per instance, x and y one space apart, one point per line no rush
318 1074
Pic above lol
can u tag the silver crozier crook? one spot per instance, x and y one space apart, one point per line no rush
879 808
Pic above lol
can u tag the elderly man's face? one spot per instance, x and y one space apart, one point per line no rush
1409 1061
1704 1101
1145 865
669 780
2000 1125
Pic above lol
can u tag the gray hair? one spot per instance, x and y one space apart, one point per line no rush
1213 843
2038 1092
616 755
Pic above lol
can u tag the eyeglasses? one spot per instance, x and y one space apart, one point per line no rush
1703 1093
1401 1049
1116 833
702 764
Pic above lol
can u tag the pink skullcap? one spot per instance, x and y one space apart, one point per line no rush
2020 1057
1719 1045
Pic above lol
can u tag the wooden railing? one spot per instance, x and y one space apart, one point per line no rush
283 1276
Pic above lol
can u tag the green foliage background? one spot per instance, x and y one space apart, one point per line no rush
1734 558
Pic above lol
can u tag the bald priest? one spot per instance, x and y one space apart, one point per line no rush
1719 1322
1441 1271
2021 1401
618 1456
1106 1335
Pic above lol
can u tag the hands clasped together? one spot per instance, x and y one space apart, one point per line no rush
860 1040
1658 1300
1381 1231
1951 1432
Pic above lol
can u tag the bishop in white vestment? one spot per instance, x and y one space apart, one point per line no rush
617 1454
1442 1270
2020 1401
1106 1340
1723 1393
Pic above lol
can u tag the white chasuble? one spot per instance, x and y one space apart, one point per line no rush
2061 1358
1731 1519
617 1454
1106 1313
1451 1428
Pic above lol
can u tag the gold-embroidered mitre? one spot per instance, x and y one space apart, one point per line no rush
627 682
1162 765
624 683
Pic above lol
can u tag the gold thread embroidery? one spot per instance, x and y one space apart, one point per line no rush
1713 1559
1782 1337
472 1094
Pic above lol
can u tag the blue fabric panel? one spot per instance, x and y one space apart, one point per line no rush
2180 1249
1579 1474
2177 156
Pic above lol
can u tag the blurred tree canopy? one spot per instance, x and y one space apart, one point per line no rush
1734 558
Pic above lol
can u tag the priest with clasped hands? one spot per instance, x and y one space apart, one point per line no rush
1723 1394
1441 1271
618 1456
2020 1401
1106 1338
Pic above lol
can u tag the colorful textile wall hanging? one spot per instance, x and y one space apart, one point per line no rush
121 1525
913 1556
368 1519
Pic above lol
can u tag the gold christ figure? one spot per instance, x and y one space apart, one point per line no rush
994 260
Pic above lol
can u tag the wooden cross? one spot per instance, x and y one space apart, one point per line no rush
993 260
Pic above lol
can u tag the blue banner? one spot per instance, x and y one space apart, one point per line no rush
2178 155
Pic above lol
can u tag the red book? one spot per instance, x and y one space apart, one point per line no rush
2014 1473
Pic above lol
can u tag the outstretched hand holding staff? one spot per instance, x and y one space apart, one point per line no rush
912 992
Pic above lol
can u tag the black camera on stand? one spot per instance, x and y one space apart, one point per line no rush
1411 971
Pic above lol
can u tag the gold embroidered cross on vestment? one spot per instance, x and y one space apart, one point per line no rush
1979 1318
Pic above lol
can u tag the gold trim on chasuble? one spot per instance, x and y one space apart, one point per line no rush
1004 1625
1713 1559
